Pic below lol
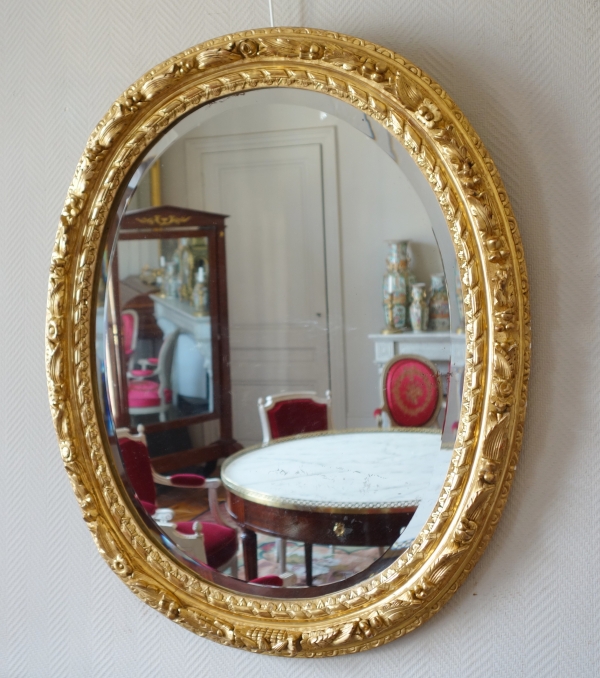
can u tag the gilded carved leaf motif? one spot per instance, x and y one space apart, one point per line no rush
496 440
267 640
475 509
218 56
156 85
399 608
502 368
322 638
406 91
283 47
108 133
443 567
338 56
155 597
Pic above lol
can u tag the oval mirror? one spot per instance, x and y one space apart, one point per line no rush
306 388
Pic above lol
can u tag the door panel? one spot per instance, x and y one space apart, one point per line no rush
275 272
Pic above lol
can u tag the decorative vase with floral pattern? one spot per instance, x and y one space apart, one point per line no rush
419 309
439 308
401 247
394 289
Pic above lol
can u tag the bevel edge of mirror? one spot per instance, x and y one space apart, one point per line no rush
110 240
481 488
149 159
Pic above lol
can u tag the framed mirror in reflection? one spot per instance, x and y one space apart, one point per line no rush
166 357
282 384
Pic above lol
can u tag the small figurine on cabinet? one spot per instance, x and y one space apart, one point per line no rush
200 293
185 259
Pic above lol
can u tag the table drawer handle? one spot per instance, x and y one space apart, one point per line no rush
339 529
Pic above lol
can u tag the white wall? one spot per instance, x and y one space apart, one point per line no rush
526 74
377 203
135 254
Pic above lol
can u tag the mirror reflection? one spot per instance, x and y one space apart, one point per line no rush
280 342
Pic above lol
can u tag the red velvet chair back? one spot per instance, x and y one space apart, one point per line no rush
139 471
301 415
412 391
128 323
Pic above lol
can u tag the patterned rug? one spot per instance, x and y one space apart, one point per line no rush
330 564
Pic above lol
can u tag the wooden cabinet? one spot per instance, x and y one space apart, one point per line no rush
206 232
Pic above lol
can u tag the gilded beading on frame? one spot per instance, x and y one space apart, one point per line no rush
451 156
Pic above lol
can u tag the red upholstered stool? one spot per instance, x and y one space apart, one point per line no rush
412 392
147 394
141 373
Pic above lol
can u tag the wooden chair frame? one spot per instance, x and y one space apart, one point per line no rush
164 517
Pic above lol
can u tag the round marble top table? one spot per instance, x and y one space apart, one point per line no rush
344 488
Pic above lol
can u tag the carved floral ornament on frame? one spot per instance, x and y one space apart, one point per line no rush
465 181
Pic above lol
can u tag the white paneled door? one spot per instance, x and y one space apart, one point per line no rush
276 264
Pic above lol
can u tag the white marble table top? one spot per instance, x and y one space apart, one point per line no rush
363 471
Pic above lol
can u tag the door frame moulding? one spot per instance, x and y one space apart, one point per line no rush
326 138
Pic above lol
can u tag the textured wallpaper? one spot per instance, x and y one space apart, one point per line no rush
526 74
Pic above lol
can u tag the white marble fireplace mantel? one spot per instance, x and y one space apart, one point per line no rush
439 347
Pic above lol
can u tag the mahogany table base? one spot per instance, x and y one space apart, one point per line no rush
249 546
373 528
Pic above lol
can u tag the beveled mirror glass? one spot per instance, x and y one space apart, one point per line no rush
304 397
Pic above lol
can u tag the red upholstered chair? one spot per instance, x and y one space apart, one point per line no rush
145 394
130 323
215 544
412 392
289 414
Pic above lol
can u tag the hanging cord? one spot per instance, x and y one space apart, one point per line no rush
271 13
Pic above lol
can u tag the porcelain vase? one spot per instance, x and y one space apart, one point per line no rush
394 290
439 308
419 310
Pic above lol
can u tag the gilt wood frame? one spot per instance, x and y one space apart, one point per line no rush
470 192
